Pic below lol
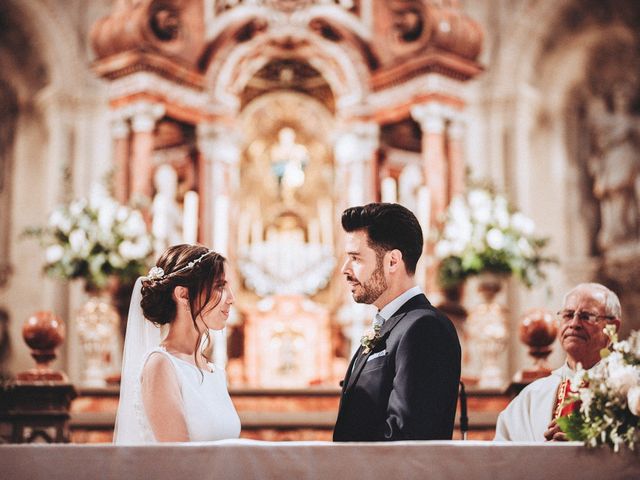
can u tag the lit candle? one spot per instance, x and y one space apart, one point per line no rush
314 231
190 217
356 193
243 229
256 232
388 190
221 232
326 221
424 209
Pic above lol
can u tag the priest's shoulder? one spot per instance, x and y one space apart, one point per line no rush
542 384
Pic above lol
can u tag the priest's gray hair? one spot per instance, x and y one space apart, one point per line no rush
611 300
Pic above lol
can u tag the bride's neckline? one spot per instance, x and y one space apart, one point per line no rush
211 367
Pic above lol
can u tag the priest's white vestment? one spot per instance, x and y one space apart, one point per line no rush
528 415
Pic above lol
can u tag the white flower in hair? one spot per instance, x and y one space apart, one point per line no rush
155 273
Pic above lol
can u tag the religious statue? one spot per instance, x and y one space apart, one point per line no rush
289 160
167 217
614 165
288 342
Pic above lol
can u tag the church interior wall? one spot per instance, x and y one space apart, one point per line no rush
521 126
59 131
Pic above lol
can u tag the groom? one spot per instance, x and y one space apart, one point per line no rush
402 383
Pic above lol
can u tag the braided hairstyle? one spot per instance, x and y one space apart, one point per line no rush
199 270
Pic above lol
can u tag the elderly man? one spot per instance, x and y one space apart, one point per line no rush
531 416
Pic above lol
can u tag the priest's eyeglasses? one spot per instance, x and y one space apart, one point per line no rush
591 318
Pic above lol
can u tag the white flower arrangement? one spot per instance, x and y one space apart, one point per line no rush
95 239
609 412
481 233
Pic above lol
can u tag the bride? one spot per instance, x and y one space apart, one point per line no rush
170 392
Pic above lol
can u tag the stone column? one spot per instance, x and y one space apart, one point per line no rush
455 149
144 116
355 151
120 131
431 118
218 146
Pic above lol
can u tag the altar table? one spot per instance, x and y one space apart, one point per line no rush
310 460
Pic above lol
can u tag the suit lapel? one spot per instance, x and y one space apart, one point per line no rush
358 365
360 360
351 367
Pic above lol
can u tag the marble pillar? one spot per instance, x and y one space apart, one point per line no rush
355 152
455 150
432 120
221 155
120 131
144 116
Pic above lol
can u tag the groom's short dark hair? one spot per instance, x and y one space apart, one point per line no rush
389 226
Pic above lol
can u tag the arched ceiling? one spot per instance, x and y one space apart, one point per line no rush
289 74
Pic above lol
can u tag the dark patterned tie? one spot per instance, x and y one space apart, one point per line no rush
377 322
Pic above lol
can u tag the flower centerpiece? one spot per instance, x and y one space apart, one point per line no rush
97 240
94 240
482 233
609 397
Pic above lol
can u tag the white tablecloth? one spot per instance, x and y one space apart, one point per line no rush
302 460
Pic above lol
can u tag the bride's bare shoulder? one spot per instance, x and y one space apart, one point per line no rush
158 367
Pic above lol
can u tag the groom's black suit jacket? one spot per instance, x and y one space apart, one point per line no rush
411 391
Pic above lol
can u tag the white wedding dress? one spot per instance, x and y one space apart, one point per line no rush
208 411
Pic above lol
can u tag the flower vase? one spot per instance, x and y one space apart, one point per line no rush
451 305
97 324
488 331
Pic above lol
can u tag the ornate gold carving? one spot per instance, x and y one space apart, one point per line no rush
165 22
171 27
408 19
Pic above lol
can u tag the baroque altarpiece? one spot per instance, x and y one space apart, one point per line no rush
280 114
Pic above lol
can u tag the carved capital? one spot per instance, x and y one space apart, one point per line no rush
120 128
457 127
358 143
218 143
431 117
144 115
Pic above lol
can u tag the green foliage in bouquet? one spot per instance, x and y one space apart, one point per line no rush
94 240
610 398
481 233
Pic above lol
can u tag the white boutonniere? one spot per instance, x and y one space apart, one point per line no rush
370 338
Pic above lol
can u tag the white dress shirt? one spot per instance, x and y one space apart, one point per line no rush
394 305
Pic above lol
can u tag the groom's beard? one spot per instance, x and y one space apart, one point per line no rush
371 290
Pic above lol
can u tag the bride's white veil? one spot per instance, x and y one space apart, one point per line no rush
141 337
